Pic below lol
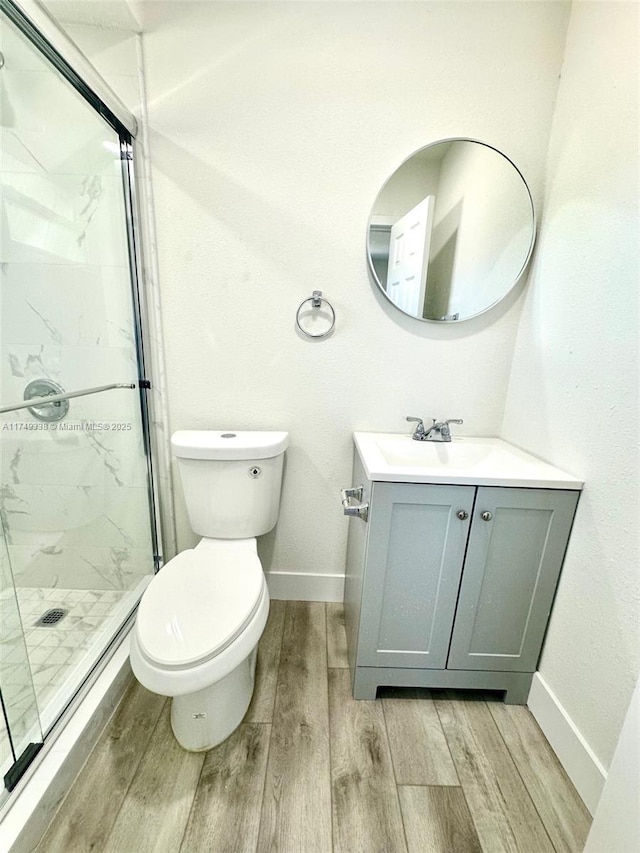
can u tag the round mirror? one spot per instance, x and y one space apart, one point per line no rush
451 231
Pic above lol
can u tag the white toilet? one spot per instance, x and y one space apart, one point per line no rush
201 617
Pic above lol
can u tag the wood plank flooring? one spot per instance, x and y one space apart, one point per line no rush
310 770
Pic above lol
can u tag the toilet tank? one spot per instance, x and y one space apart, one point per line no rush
231 480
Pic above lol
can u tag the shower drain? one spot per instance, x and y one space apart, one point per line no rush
51 617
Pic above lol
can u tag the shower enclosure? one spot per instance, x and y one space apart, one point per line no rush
79 539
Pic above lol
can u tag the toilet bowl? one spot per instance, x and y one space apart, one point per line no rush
201 617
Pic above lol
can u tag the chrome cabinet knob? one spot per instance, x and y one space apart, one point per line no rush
462 514
486 516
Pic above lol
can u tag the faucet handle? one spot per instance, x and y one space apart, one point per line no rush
420 433
420 421
419 430
444 427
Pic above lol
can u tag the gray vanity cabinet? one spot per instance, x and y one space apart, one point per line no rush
414 562
452 586
510 577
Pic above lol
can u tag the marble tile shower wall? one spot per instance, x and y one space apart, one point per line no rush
73 499
118 56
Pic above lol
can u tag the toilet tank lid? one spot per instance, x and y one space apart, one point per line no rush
228 444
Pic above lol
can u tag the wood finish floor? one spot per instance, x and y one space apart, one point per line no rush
310 770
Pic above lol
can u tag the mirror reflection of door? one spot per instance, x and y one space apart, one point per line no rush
451 231
409 257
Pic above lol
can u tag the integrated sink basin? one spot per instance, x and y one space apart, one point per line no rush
393 457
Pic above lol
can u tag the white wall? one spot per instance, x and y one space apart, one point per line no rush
616 825
272 128
573 391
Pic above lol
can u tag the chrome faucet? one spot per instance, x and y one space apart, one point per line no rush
438 431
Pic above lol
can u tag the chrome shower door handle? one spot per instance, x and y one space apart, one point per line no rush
360 510
52 399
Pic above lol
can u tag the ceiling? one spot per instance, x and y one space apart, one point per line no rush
107 14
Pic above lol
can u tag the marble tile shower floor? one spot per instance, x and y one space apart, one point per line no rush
59 654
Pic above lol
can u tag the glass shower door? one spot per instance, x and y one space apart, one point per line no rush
76 495
20 729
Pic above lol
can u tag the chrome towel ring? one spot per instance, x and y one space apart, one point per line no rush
318 309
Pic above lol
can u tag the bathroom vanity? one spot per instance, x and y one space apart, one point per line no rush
454 555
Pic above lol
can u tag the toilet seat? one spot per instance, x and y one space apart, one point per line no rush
198 604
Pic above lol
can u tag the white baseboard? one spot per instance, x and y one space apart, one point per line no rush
576 756
298 586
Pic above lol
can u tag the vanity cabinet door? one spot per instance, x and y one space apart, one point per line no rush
415 551
516 547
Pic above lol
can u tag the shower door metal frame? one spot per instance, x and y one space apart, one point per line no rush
125 125
141 327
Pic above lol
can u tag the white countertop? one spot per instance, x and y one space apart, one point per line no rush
394 457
